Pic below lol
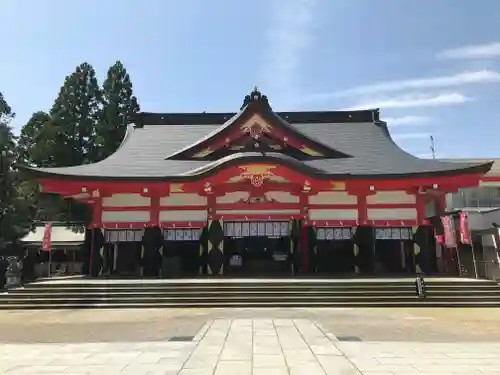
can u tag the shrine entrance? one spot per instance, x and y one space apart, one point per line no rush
334 251
121 253
254 248
394 251
181 252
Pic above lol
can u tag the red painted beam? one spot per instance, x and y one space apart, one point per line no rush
258 206
183 224
246 186
444 183
490 178
159 208
141 225
317 223
255 217
361 205
372 223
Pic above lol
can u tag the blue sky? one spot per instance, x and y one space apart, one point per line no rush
433 66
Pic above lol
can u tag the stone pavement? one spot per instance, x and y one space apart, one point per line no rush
254 347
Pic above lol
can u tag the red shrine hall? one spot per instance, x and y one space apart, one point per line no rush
259 192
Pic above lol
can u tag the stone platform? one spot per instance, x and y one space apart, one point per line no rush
252 347
133 293
77 280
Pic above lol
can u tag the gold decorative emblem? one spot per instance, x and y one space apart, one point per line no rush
203 153
256 128
177 188
309 151
257 173
337 186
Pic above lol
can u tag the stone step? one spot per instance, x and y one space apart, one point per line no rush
242 298
218 286
97 293
176 293
272 304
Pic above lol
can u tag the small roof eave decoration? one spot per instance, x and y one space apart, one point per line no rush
257 97
255 104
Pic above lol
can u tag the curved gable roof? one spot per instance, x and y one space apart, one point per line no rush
360 149
260 107
375 155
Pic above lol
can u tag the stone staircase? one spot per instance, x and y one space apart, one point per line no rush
143 293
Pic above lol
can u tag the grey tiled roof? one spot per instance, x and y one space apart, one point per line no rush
143 153
373 151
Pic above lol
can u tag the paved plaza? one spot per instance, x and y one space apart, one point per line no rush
288 341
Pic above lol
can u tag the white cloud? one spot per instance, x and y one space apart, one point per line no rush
413 101
477 51
461 79
407 120
289 36
404 136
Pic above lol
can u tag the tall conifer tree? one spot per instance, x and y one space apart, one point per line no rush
119 106
16 208
74 116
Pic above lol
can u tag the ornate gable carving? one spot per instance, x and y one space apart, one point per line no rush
257 129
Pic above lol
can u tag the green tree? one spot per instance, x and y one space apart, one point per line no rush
65 137
16 203
68 138
6 113
70 135
119 106
35 148
35 142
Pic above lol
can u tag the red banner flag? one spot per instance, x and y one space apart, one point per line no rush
449 231
440 239
47 235
464 229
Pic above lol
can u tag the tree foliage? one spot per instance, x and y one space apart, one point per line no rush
17 206
6 113
35 142
118 107
86 124
65 137
74 117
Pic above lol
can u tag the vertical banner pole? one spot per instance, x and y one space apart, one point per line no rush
466 238
474 260
91 251
459 264
47 244
49 272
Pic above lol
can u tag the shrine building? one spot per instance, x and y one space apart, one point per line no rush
263 193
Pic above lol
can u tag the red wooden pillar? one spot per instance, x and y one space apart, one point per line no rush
97 213
441 204
154 219
304 238
211 206
362 209
96 223
420 207
304 233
